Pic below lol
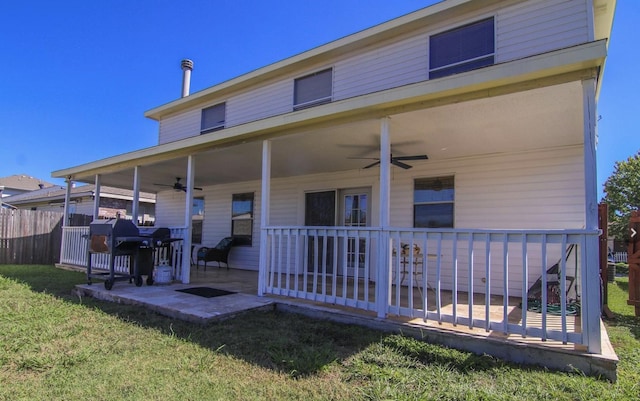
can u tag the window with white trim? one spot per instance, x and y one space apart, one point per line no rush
462 49
197 220
242 218
213 118
433 202
313 89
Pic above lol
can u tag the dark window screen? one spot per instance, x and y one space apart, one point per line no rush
474 42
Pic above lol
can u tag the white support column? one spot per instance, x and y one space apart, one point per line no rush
382 274
67 200
135 207
591 310
188 214
96 198
65 219
265 209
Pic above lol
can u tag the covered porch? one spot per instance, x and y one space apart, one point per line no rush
479 281
520 148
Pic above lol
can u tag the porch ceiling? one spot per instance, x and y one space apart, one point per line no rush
535 119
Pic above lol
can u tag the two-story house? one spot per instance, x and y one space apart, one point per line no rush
435 166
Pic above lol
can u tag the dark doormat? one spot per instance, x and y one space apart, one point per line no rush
206 292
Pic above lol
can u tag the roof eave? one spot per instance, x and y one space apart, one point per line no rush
586 58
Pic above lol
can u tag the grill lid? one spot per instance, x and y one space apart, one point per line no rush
114 228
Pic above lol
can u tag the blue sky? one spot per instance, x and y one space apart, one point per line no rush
77 76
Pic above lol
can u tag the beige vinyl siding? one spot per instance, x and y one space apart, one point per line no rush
504 191
528 190
170 208
180 126
536 27
522 30
262 102
390 66
217 218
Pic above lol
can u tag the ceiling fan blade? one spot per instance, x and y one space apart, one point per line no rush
184 189
400 164
372 164
416 157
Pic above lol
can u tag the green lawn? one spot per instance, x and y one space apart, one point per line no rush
55 346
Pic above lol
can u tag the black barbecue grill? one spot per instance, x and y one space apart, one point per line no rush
119 237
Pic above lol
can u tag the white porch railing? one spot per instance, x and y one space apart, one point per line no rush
476 278
74 251
619 257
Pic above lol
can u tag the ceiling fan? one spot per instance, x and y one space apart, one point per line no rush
395 160
178 186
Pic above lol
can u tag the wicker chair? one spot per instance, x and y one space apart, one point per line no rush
220 253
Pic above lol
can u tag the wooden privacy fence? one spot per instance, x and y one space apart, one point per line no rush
30 236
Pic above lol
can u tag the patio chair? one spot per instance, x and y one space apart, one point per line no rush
553 275
220 253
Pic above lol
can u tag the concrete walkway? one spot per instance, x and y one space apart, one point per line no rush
166 300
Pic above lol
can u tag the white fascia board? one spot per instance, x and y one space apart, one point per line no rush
572 59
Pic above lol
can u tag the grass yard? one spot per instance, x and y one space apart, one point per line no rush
54 346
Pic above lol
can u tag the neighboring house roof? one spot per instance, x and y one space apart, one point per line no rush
23 182
58 193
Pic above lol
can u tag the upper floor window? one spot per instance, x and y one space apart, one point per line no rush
213 118
433 202
313 89
462 49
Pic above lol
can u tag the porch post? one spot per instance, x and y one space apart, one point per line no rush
136 195
65 219
67 200
265 208
188 213
591 278
96 197
382 274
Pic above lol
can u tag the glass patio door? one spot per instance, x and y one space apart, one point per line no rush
354 211
320 210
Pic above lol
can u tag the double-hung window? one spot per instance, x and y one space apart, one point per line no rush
242 218
462 49
197 220
313 89
213 118
433 202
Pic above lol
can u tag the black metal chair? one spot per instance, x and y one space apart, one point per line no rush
220 253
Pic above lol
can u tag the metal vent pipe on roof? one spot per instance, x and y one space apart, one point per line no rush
187 66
